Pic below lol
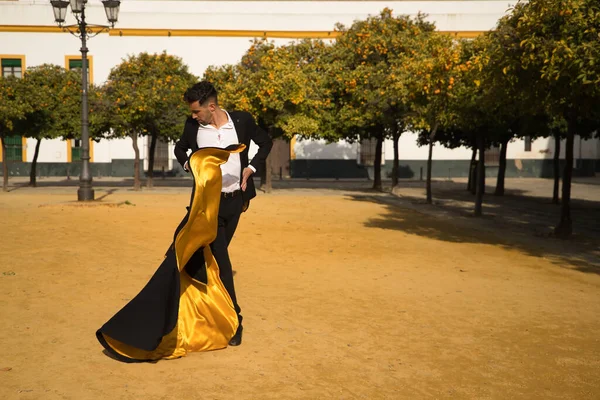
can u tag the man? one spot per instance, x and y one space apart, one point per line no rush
211 126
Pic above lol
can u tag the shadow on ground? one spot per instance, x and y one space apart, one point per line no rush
514 221
517 208
358 185
519 219
104 183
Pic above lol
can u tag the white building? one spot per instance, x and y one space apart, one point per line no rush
207 33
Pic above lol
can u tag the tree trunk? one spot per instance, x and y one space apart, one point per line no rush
471 181
555 196
565 226
428 182
136 162
33 172
266 180
263 175
501 169
4 165
149 182
268 174
377 166
430 163
396 167
480 190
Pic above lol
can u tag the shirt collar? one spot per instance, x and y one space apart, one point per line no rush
227 125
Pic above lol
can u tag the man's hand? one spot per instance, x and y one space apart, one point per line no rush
246 173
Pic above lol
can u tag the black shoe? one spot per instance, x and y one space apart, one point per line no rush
236 340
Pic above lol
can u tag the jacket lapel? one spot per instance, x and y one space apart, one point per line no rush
239 129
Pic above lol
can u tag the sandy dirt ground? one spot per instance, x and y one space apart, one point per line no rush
343 298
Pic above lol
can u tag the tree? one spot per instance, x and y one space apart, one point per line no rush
558 129
432 73
560 47
511 103
511 93
501 92
13 108
143 96
53 95
473 121
278 86
369 90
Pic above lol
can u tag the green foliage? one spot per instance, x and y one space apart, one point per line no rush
13 104
430 76
143 94
278 85
558 50
370 91
54 98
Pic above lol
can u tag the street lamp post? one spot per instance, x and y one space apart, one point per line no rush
84 31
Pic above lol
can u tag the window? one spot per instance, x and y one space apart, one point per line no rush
75 62
75 150
366 152
12 67
161 154
527 143
492 156
14 148
78 65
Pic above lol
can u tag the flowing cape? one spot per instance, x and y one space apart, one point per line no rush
184 307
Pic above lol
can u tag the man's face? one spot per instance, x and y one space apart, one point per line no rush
204 114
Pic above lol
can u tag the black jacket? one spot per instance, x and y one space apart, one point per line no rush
246 130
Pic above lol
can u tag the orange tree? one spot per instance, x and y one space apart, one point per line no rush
485 111
501 97
279 86
474 121
13 107
509 89
143 97
368 92
559 48
53 94
431 73
489 107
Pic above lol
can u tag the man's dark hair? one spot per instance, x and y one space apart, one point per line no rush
201 92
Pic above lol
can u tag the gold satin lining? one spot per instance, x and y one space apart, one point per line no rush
207 319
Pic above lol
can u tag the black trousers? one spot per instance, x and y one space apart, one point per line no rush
229 216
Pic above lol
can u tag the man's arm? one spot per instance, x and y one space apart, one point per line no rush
181 148
262 140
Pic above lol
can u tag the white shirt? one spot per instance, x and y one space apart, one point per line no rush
226 135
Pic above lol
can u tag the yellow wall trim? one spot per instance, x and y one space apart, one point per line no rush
31 28
226 33
69 155
91 150
210 32
464 34
292 148
24 149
